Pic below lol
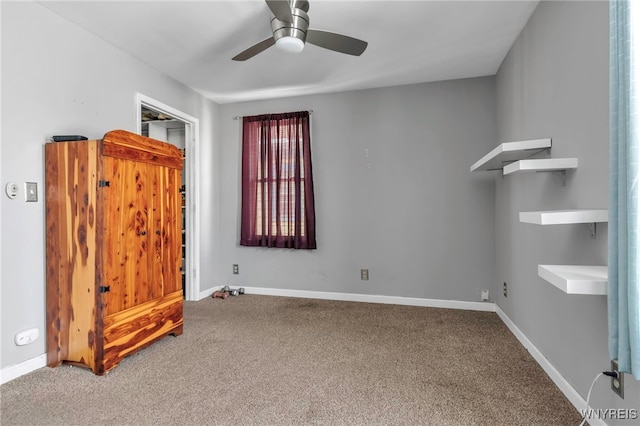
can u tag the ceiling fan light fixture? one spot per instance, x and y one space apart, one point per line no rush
290 28
289 44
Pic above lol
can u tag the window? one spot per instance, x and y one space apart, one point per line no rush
277 182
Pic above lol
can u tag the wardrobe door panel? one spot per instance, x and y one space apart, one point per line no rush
172 232
126 235
156 213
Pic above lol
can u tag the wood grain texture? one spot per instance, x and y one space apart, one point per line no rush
127 214
133 329
71 203
124 235
123 144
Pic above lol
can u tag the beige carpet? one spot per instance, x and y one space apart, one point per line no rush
261 360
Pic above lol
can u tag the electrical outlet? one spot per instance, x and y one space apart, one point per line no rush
26 337
364 274
484 295
617 383
504 289
236 270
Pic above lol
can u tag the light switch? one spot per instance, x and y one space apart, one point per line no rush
31 191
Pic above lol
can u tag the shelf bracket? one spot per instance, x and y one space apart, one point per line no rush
592 229
563 180
562 173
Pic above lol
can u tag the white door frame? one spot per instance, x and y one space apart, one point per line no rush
192 145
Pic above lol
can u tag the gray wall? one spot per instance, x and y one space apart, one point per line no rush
59 79
393 193
555 83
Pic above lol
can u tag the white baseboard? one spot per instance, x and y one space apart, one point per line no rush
373 298
367 298
565 387
207 293
14 371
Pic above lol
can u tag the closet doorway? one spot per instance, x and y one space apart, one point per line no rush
162 122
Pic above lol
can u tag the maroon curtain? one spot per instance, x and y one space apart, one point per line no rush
277 182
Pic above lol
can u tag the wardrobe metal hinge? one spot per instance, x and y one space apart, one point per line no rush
103 183
103 289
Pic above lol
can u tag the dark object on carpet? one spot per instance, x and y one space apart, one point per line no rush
220 294
227 291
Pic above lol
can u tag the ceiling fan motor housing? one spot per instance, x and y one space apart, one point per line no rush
298 28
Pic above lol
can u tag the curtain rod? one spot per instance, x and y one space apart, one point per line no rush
238 117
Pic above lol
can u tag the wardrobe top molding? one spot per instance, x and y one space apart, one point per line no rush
509 152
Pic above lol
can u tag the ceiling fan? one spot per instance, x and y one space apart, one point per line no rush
290 27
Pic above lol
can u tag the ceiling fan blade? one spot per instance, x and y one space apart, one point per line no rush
254 50
338 42
281 9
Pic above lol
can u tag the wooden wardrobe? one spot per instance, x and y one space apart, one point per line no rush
113 247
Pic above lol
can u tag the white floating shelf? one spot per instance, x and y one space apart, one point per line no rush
562 217
574 279
541 165
509 152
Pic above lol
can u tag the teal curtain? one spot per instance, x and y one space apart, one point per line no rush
623 291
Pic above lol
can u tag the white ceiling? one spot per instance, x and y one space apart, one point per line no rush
409 42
